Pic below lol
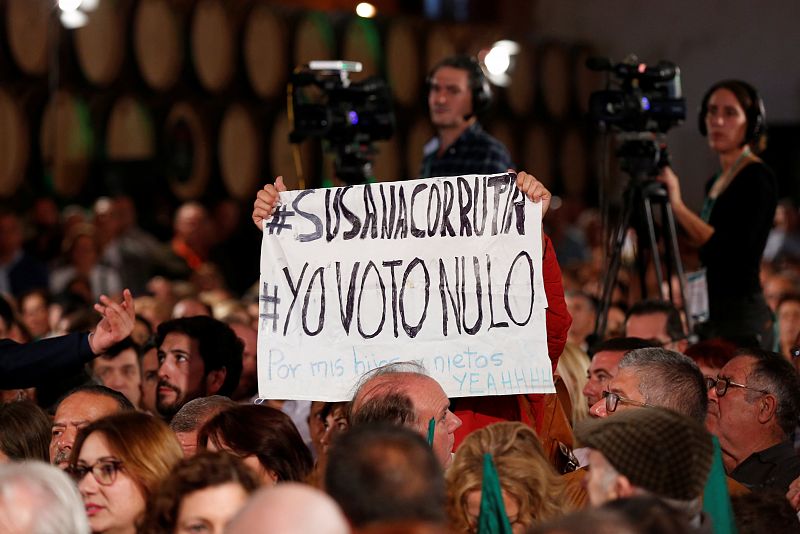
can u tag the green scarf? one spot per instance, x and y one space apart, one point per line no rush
493 518
716 502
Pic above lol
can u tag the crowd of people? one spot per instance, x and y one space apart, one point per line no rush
137 410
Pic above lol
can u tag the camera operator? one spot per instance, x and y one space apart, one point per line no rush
457 92
737 213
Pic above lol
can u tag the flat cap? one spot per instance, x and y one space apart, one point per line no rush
658 450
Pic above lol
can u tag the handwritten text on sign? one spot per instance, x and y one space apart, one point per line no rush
445 271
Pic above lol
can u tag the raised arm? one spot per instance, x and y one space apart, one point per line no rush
116 324
26 365
266 200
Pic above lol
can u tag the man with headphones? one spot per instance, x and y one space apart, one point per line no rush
457 92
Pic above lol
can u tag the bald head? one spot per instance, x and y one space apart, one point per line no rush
289 508
400 395
386 398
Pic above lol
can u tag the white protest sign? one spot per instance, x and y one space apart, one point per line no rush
443 271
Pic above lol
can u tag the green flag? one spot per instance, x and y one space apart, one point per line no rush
716 501
493 518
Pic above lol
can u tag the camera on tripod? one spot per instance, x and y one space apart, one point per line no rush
648 98
640 105
347 115
645 104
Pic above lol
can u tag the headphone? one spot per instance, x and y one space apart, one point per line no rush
478 83
755 112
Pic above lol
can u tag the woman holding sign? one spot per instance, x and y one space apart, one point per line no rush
477 412
737 214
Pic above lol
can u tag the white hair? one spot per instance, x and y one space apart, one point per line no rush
39 498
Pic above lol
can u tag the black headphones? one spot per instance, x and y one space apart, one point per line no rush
755 112
478 83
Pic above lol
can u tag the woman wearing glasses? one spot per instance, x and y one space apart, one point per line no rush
118 462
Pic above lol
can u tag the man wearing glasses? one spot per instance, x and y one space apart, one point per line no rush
655 377
753 410
604 366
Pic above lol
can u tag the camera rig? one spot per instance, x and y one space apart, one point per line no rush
348 116
639 106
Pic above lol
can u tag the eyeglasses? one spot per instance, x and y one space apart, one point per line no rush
613 399
103 471
722 383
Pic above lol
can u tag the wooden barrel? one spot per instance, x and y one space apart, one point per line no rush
27 23
585 81
420 132
403 63
266 51
282 156
313 39
240 152
361 42
213 45
130 132
387 166
187 150
158 43
555 80
67 142
538 153
14 143
521 92
574 161
100 44
505 132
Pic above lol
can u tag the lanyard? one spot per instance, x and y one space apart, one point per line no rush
708 203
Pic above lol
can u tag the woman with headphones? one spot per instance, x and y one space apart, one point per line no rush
737 214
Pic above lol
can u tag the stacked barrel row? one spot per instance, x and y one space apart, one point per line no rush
191 95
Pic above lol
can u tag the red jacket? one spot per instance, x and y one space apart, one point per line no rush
478 412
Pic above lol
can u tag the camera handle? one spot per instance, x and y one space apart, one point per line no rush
640 196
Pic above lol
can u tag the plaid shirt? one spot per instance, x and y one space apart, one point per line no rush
474 152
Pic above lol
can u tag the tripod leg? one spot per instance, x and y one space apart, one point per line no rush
671 240
615 258
670 255
651 233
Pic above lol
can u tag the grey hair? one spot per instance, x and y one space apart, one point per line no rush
670 380
196 412
389 401
408 367
773 373
43 495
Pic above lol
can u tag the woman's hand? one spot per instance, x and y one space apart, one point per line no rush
534 189
266 201
668 177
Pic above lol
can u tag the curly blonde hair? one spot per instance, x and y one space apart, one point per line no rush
524 471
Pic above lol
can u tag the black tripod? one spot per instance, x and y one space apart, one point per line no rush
641 158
